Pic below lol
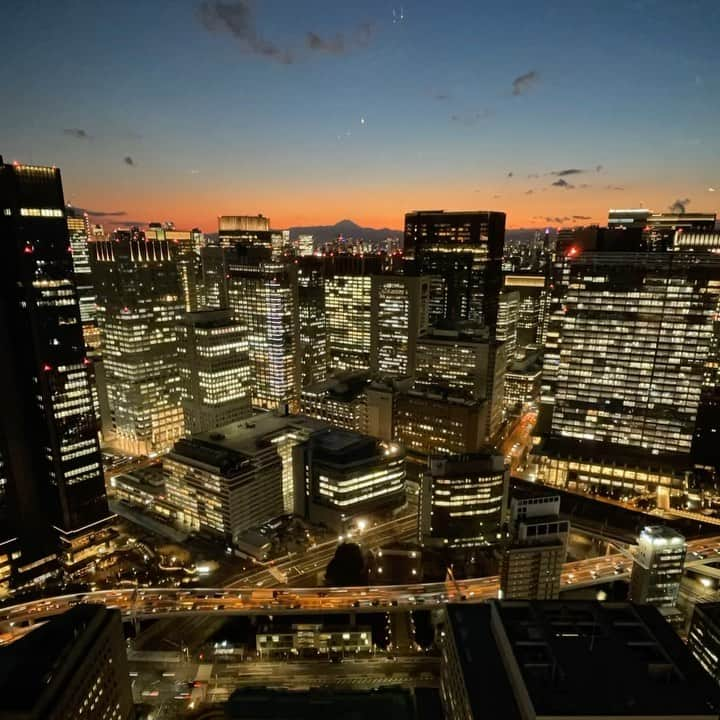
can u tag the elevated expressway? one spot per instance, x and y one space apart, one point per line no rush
144 603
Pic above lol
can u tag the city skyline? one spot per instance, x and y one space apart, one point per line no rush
242 120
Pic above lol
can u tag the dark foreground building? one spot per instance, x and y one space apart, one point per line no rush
554 659
74 666
53 484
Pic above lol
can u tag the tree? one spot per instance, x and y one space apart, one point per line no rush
348 567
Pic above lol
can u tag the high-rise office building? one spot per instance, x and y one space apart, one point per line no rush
305 245
51 462
465 249
704 637
215 371
426 423
532 312
348 309
532 561
340 400
313 322
460 360
462 500
244 230
348 474
263 295
73 666
238 477
214 262
399 315
188 246
79 230
658 566
139 307
348 312
633 329
507 322
547 660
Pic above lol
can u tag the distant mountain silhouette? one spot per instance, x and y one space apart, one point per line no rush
346 228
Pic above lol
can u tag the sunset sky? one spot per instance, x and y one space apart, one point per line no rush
314 111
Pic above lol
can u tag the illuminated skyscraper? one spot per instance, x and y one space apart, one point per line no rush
305 245
313 321
139 307
658 566
461 361
263 294
48 433
244 230
465 249
399 315
214 369
462 500
532 313
214 261
348 309
188 246
507 322
79 230
635 328
348 474
532 561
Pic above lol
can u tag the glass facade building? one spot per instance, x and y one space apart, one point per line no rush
140 304
51 462
215 372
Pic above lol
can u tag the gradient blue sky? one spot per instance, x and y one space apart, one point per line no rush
216 123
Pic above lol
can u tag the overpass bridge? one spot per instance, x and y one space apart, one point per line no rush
143 603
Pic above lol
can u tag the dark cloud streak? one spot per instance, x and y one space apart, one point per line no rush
523 83
78 133
128 160
238 19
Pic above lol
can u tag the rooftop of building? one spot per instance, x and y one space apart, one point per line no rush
454 330
320 704
576 659
232 443
483 461
342 448
662 534
36 663
343 387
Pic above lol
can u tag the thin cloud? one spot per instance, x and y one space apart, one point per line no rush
529 192
441 96
599 168
680 205
581 217
563 173
103 213
614 187
128 160
339 44
78 133
510 174
563 184
127 223
533 175
471 118
558 220
238 19
523 83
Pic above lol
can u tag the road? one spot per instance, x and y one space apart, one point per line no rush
166 686
161 602
518 440
315 559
